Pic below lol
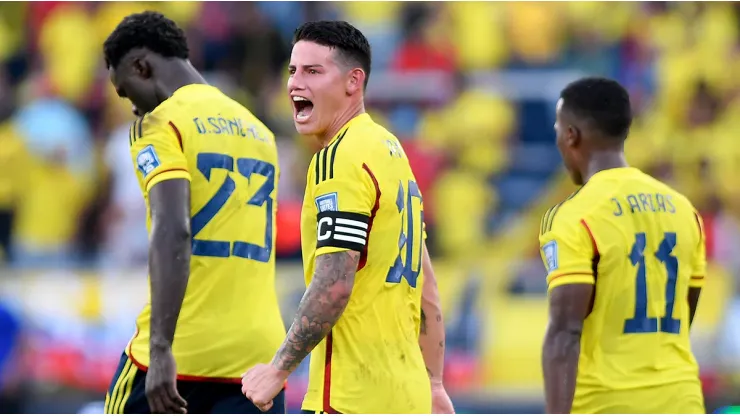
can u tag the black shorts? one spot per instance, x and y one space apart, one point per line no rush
126 394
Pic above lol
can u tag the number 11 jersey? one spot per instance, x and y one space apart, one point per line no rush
361 195
230 318
642 244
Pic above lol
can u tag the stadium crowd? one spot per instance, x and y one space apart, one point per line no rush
470 88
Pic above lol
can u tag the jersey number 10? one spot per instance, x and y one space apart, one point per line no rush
406 209
641 323
246 167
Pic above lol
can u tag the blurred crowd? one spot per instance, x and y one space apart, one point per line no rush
67 192
469 87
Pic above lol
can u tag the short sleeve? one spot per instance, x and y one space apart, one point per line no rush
567 251
699 258
156 149
344 192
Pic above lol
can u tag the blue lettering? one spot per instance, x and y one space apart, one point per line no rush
634 205
200 126
234 126
644 201
224 125
671 207
212 122
661 202
617 208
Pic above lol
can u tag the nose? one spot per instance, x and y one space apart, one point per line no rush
295 82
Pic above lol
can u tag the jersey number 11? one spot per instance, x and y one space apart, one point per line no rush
641 323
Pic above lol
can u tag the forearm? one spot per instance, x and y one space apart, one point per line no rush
169 262
432 331
323 303
560 368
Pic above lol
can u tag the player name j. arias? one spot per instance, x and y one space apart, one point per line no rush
643 203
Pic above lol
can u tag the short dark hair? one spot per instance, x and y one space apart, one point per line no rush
602 102
349 42
150 30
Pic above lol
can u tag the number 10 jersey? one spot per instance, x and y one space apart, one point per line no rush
361 195
230 319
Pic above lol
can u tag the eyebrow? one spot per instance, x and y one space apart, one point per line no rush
306 66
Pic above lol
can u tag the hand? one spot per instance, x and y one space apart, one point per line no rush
262 383
441 403
161 385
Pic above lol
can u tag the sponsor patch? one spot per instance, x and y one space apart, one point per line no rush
550 249
327 202
147 160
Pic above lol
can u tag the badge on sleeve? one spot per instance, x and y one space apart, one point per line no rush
550 249
327 202
147 160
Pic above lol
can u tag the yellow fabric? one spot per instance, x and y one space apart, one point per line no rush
637 228
535 30
52 201
230 158
476 22
14 161
384 309
70 51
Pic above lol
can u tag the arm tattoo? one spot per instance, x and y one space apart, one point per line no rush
423 324
322 305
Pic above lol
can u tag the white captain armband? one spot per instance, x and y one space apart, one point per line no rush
342 230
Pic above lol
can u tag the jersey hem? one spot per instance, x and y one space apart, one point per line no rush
174 173
571 278
181 377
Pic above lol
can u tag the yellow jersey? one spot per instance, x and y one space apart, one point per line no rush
230 319
642 244
361 195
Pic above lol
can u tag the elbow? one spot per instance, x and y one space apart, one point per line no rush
171 233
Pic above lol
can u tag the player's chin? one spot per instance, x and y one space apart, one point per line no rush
306 128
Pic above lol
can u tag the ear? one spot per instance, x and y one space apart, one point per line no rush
142 68
573 136
355 81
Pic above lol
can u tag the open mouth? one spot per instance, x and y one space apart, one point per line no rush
303 108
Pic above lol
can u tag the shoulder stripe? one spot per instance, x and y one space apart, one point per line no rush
543 221
317 172
141 124
131 135
334 154
323 163
555 209
549 218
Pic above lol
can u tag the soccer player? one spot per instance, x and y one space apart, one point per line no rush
370 315
625 261
208 170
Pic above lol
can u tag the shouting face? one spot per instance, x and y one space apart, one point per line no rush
320 86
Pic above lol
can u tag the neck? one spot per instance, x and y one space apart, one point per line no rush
344 117
604 160
179 74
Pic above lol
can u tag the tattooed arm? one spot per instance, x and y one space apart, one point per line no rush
322 305
432 333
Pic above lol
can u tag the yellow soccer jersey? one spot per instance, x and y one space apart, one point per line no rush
230 319
641 243
361 195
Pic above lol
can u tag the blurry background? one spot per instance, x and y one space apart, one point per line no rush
470 88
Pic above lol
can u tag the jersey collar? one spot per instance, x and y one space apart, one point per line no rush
358 119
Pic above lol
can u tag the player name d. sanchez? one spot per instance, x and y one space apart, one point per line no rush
231 126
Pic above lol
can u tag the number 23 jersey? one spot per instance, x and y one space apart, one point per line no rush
230 319
642 244
361 195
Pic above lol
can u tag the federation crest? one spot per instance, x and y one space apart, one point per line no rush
327 202
147 160
550 250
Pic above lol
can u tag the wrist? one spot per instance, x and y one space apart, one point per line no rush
159 346
436 382
279 372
